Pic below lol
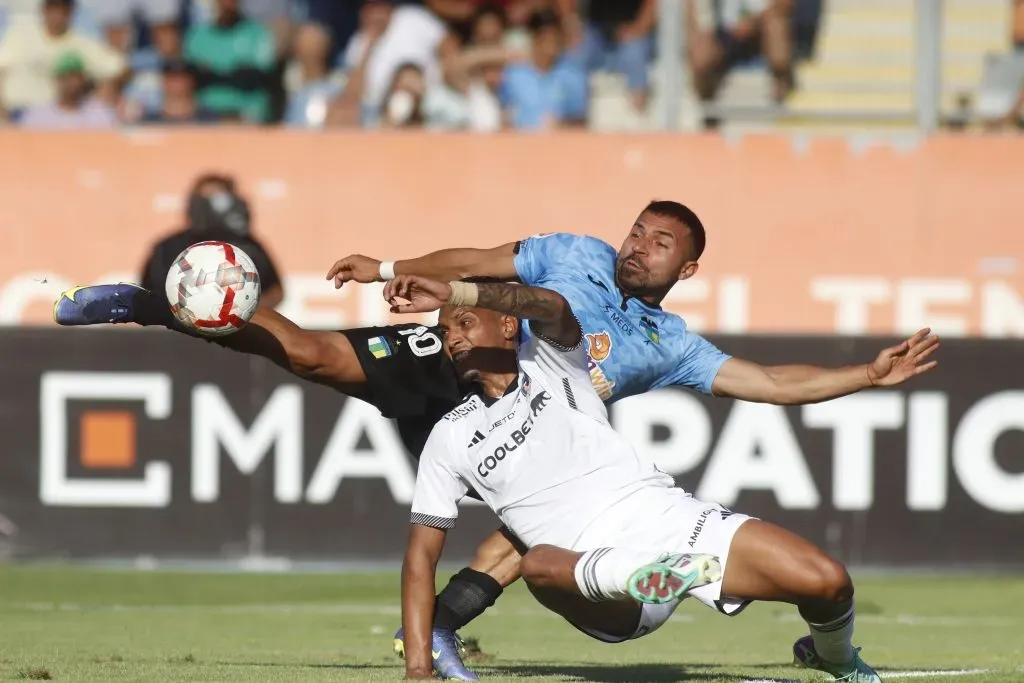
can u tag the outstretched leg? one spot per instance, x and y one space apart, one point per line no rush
766 562
319 356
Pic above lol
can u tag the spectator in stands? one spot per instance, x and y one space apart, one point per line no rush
234 59
161 16
29 52
474 99
308 105
216 211
721 33
178 104
73 108
406 34
276 15
404 102
619 37
550 90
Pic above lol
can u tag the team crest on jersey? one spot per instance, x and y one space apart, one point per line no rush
379 347
650 328
526 384
599 347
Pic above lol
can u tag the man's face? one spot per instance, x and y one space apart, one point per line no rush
71 86
473 335
228 10
178 85
374 17
56 17
547 45
488 30
655 254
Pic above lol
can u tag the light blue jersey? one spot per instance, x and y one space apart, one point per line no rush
633 347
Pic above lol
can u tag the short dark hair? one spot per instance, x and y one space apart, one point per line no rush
225 181
543 19
491 9
686 216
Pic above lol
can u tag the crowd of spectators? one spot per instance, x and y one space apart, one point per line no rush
480 65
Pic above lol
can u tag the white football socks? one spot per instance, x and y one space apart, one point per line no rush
833 640
603 573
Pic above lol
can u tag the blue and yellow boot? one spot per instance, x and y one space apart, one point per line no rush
446 651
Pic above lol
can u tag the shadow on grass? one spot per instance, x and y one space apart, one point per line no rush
593 673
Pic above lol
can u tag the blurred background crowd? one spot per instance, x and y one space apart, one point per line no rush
488 65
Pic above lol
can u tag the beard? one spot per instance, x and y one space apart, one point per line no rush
632 279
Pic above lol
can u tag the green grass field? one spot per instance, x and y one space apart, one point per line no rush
76 624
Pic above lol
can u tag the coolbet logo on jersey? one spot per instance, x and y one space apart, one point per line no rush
517 438
599 347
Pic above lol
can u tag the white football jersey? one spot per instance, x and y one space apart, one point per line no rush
543 456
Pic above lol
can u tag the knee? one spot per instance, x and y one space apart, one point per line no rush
536 567
827 579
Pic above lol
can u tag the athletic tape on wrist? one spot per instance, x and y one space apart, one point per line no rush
387 270
463 294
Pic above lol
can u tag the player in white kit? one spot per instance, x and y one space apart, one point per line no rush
613 545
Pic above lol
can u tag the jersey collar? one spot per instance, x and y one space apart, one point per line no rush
489 401
626 298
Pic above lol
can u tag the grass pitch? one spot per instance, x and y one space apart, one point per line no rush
76 624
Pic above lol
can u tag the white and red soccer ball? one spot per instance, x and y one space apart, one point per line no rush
213 288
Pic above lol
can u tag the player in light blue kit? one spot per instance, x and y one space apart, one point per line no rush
634 346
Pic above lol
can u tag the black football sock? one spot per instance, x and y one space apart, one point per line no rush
151 309
467 595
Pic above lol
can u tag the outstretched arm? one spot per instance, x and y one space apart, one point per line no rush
800 384
444 265
549 313
419 570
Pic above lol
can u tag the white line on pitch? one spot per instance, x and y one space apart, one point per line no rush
915 620
891 674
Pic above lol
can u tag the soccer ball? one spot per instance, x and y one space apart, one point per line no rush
213 288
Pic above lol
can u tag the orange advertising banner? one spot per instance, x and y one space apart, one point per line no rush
804 236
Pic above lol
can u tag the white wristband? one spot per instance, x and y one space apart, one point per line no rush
387 270
463 294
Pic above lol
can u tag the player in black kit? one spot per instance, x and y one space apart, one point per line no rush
399 369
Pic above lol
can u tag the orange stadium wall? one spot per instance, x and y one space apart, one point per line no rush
828 236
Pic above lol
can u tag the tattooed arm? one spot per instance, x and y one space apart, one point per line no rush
549 313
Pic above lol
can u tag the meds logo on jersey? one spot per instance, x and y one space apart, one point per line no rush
599 347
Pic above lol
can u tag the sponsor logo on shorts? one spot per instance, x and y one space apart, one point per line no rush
724 513
699 527
379 347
